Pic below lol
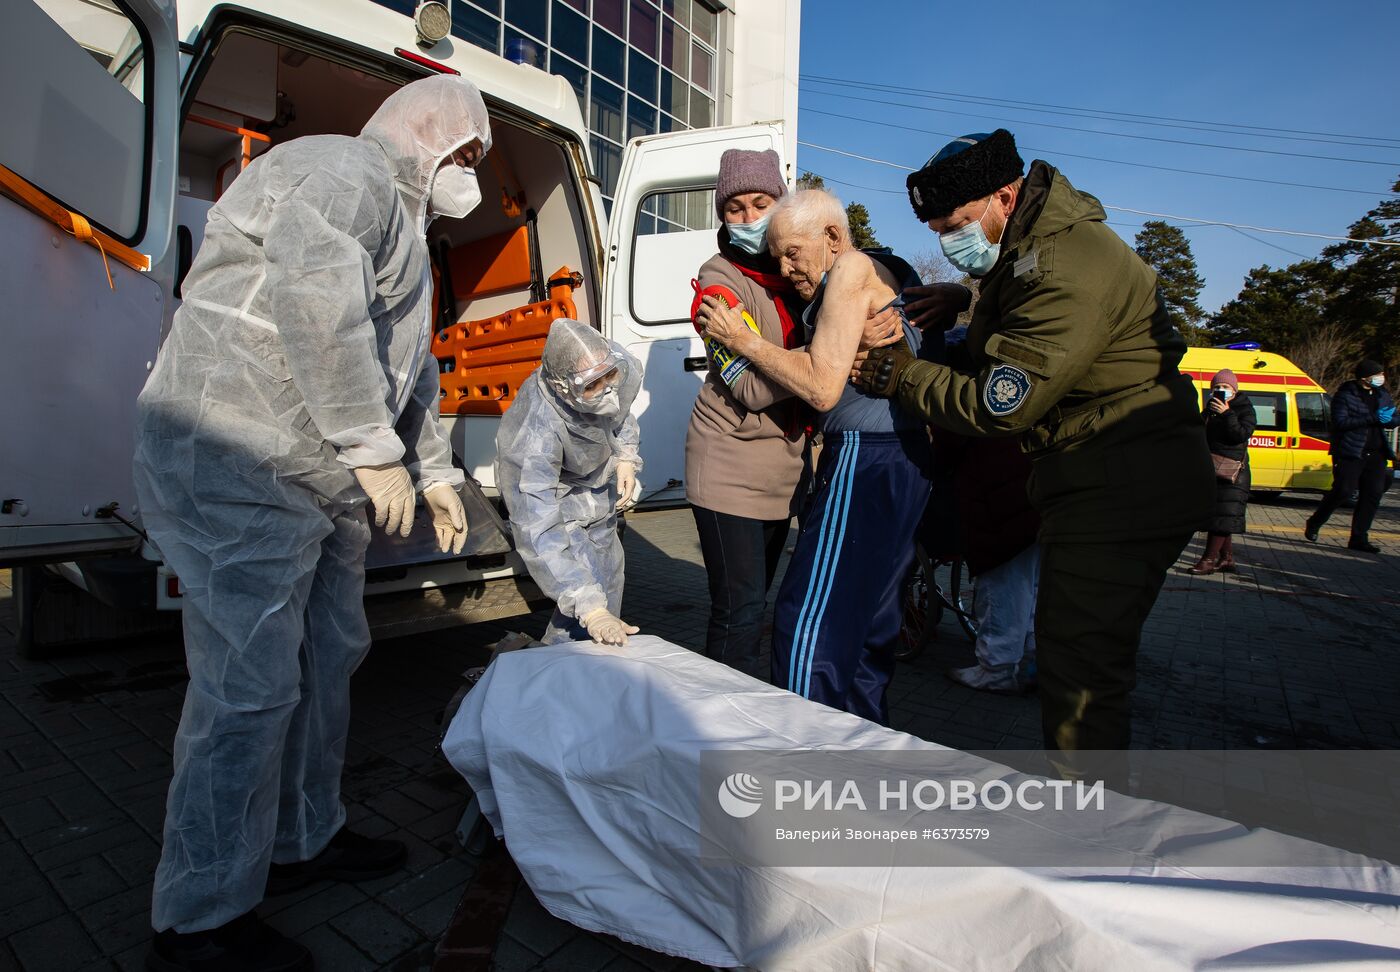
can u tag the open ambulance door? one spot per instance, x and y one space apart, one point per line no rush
86 190
661 230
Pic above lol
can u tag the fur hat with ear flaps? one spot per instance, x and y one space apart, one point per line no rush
967 168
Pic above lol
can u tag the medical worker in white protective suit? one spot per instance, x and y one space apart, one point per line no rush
566 464
296 383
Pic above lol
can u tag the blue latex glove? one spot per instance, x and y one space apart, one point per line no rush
1387 415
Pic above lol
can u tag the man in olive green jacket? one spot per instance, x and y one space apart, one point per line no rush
1071 348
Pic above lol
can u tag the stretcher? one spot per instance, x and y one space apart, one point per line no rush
586 760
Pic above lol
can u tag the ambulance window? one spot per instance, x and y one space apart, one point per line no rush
1313 417
674 234
1270 410
80 135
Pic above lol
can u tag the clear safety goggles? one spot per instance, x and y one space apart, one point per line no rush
594 381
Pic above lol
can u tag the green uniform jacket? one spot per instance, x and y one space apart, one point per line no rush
1071 348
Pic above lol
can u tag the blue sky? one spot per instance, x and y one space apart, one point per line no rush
1314 67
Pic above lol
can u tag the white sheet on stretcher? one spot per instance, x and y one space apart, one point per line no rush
586 760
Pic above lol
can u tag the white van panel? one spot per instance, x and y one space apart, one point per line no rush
70 127
76 356
648 280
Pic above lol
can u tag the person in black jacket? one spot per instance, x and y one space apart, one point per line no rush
996 536
1230 421
1361 412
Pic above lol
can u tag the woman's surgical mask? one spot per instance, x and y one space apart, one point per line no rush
606 403
968 248
455 193
1376 381
752 238
1226 392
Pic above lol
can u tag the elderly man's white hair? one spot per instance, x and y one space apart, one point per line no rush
808 212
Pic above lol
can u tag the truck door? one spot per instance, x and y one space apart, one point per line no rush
88 177
661 230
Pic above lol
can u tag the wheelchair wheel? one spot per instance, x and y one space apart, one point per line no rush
921 611
961 591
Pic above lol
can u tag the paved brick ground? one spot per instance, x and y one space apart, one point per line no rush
1298 649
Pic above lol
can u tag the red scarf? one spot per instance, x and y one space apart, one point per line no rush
796 423
776 286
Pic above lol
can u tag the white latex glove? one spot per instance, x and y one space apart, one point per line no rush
607 629
449 519
390 488
629 490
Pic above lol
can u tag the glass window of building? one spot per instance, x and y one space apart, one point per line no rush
476 27
609 56
569 33
606 109
625 59
529 16
680 9
641 27
641 76
611 14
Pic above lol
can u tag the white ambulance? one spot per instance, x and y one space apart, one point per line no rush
126 119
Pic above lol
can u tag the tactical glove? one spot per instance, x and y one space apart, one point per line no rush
879 375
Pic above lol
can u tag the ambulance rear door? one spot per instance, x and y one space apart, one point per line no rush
88 150
662 228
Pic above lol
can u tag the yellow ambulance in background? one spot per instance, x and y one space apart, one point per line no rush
1289 447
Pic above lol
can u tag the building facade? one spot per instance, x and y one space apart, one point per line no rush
645 66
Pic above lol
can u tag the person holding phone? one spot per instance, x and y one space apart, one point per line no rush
1230 421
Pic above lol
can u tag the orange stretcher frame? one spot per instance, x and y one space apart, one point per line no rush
246 136
484 362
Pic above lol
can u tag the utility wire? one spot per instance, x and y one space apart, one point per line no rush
1373 193
1096 131
1149 119
1073 113
1110 222
1136 212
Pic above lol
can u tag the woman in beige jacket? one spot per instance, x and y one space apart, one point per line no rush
746 449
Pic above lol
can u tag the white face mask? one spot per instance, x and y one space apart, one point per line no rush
1226 392
605 404
455 192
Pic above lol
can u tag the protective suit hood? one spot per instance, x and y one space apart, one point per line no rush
575 353
423 123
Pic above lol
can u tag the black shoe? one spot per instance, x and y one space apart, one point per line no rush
243 945
1310 531
348 857
1365 546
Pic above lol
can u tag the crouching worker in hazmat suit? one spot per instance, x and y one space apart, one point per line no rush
566 464
296 383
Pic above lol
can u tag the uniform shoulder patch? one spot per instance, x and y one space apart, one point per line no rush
1006 390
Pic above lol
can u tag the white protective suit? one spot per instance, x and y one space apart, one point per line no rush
555 468
301 351
587 760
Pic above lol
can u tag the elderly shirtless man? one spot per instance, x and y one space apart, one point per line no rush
839 608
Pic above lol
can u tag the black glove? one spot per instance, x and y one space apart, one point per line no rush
879 374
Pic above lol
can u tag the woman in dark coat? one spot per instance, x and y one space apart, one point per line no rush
1230 421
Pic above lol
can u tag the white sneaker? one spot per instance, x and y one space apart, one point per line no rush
1001 680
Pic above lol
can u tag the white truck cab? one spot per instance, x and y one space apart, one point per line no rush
126 119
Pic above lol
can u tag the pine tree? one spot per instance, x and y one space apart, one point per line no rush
1165 249
862 233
